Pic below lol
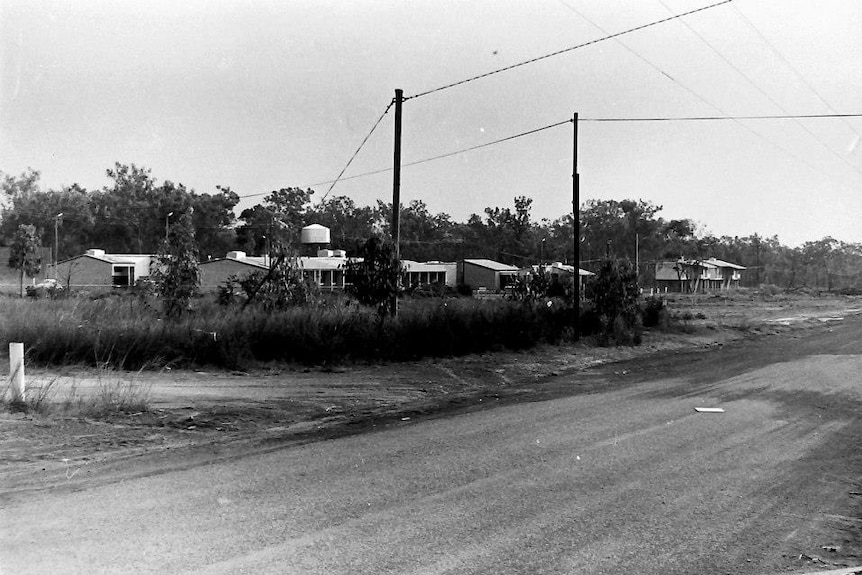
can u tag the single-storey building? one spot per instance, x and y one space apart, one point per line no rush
215 273
97 269
557 270
486 274
425 273
326 269
697 275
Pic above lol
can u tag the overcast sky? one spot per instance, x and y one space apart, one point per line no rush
259 95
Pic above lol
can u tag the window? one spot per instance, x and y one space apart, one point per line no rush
123 275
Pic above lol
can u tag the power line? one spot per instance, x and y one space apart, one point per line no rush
438 157
695 94
754 84
565 50
789 65
582 119
364 140
711 118
485 145
638 55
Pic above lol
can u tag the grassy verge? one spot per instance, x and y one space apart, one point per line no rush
127 333
113 392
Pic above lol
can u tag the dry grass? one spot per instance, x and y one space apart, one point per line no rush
114 392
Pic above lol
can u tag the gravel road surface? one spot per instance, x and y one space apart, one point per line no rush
607 471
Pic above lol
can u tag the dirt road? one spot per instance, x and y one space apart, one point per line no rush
609 470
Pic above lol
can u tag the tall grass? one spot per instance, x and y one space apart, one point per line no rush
127 333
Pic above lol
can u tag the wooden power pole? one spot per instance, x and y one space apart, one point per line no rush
576 202
396 188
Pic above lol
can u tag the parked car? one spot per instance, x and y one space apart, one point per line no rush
50 288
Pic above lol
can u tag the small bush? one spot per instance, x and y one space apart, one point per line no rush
655 313
615 293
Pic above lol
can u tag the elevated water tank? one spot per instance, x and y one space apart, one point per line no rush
314 234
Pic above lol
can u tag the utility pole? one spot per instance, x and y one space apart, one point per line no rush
396 189
56 242
576 202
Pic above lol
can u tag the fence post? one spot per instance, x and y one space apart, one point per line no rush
16 371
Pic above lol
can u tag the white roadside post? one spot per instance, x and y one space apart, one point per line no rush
16 371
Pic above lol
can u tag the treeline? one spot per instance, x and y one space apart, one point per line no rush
133 212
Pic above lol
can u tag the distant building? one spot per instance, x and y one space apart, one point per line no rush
557 269
100 270
214 273
486 274
424 273
326 269
702 275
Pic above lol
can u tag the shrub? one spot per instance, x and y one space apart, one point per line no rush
281 287
615 293
373 277
655 313
175 272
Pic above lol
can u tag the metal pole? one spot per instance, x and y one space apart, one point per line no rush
576 224
396 188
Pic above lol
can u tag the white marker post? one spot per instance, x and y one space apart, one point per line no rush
16 371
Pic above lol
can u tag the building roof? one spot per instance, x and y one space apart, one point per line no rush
556 266
491 265
723 264
312 263
700 263
413 266
255 262
111 258
322 263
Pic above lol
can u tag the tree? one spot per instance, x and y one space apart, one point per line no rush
214 219
423 236
348 223
511 231
40 208
280 287
132 212
24 253
615 293
176 272
373 276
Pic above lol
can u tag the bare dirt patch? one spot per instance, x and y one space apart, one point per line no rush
211 410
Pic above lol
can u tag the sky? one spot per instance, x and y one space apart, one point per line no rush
261 95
